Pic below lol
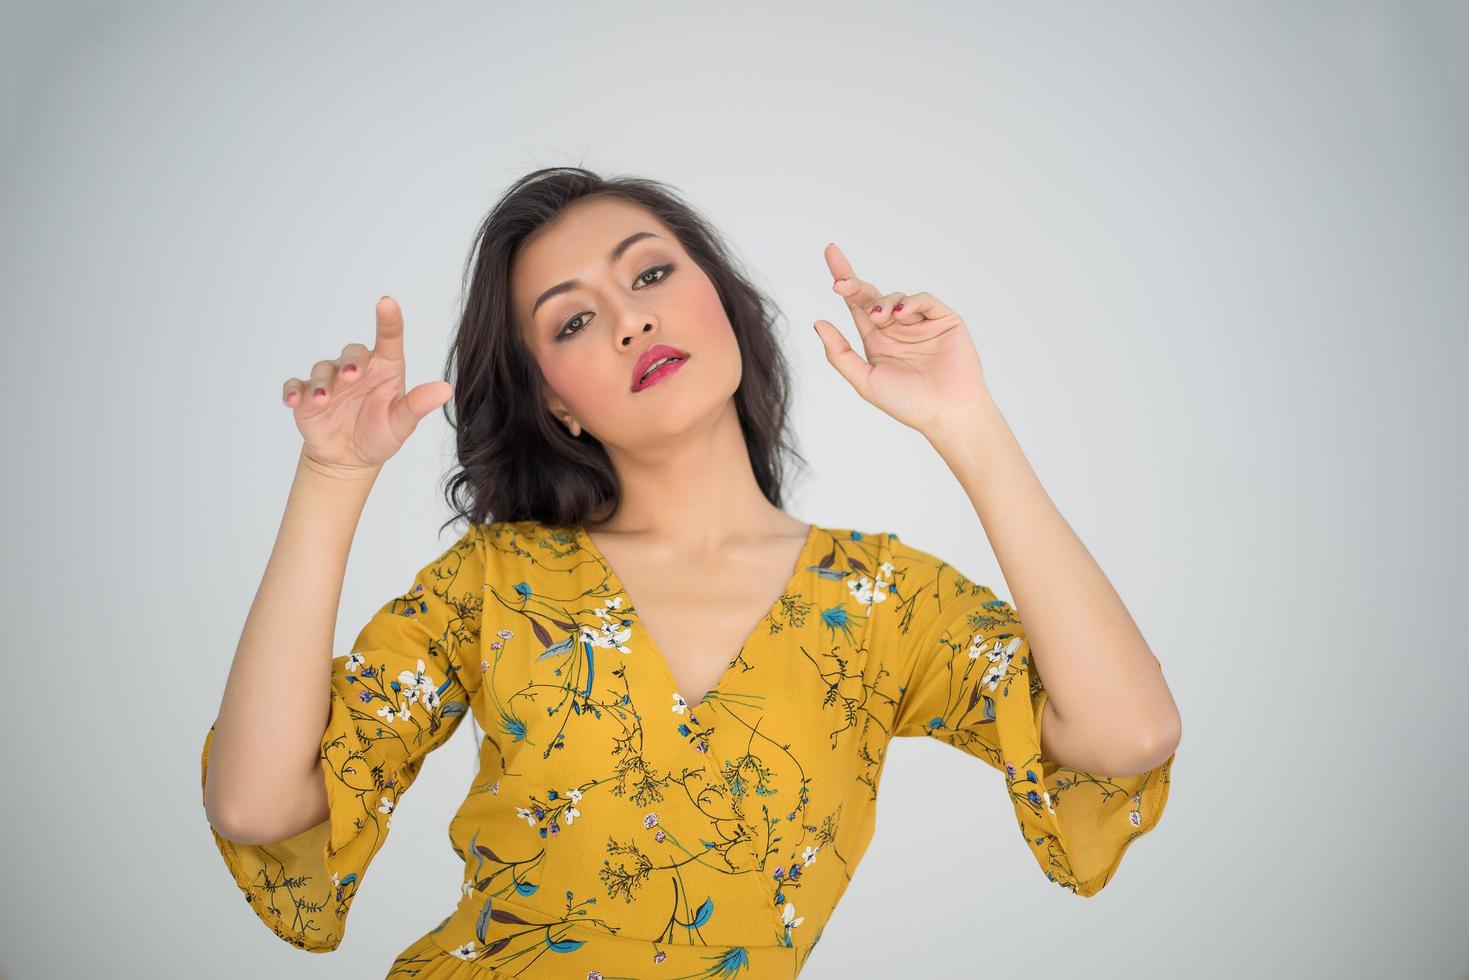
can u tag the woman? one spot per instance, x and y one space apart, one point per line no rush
664 790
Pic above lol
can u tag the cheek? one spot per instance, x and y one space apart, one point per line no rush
592 380
711 315
709 327
571 376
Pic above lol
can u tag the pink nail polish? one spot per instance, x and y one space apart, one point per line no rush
898 307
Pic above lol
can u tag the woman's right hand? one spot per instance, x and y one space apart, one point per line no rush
354 413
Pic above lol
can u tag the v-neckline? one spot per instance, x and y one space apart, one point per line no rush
656 652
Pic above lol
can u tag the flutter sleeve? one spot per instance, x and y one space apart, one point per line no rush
971 683
400 693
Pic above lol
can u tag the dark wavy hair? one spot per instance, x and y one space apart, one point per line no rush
516 462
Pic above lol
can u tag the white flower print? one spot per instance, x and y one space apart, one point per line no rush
611 633
679 704
465 952
869 592
390 715
1000 656
866 591
789 917
1003 652
809 855
571 812
415 683
386 806
527 814
354 660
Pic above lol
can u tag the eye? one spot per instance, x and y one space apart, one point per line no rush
665 269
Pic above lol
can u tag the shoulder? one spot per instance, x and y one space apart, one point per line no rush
929 577
509 533
910 559
882 552
528 549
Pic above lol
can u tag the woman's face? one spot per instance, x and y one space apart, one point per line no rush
587 338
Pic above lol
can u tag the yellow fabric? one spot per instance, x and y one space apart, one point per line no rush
614 830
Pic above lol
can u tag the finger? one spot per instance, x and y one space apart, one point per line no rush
389 341
409 410
310 393
881 313
858 293
860 317
840 355
323 380
921 306
352 364
324 372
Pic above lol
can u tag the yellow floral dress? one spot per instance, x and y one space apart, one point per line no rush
621 828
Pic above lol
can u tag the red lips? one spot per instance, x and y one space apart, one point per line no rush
647 357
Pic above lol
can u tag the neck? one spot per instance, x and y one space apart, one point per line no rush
695 493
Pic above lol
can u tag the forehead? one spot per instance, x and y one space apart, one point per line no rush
575 244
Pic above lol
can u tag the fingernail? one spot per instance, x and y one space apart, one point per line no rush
877 309
352 368
898 307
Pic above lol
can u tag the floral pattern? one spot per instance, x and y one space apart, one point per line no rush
618 829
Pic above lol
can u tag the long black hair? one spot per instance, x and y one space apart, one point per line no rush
516 462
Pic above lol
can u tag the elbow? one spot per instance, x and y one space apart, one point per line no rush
239 826
236 831
1155 750
227 819
272 828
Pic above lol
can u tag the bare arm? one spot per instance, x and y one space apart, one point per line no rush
264 781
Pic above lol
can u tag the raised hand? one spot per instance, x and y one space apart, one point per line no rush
920 362
353 413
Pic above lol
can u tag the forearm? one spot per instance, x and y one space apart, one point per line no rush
266 745
1106 688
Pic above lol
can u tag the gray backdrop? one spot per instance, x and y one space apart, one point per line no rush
1213 258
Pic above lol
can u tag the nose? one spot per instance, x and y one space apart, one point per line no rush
627 339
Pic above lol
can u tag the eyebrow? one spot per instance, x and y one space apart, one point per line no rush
612 257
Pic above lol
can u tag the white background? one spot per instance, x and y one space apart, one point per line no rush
1213 258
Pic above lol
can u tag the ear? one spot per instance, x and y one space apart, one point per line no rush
563 414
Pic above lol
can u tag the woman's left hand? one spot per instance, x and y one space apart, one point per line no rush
921 363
